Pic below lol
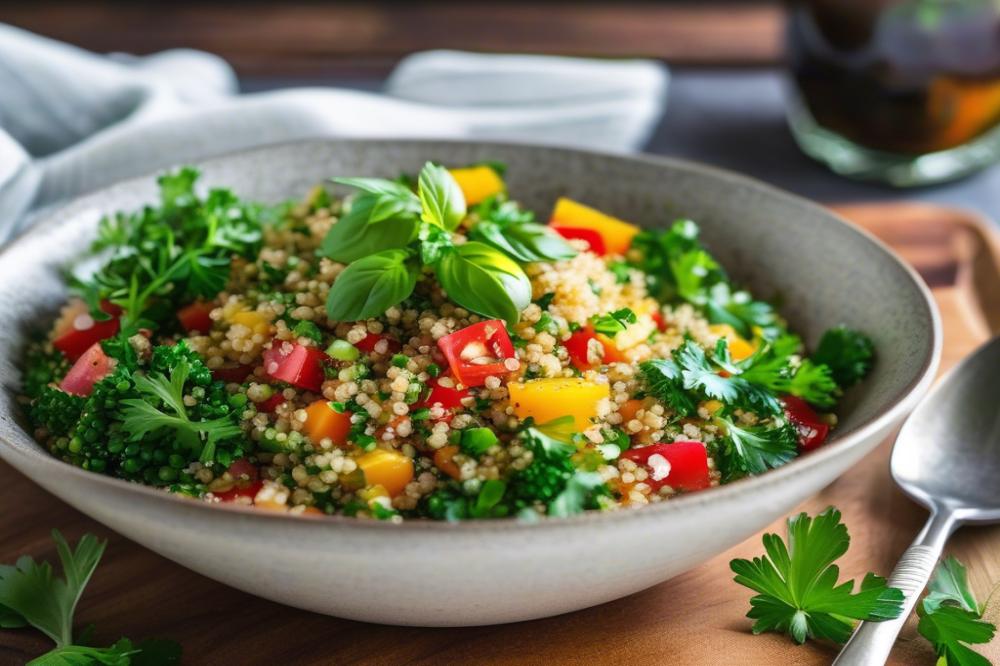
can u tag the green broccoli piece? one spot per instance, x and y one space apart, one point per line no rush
99 432
42 367
56 411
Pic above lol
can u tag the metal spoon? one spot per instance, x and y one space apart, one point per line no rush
946 457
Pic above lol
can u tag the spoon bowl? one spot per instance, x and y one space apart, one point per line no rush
948 452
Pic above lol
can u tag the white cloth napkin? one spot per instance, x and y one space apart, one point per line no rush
72 121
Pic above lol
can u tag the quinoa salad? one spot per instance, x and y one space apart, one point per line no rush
421 348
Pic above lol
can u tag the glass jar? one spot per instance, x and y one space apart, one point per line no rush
902 91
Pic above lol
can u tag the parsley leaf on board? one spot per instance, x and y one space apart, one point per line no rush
797 585
951 618
31 594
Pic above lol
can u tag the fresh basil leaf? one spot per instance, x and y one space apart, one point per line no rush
441 197
392 199
354 237
524 242
485 281
371 285
434 241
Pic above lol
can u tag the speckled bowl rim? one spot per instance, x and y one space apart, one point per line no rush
744 487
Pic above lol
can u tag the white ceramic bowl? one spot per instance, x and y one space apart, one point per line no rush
434 574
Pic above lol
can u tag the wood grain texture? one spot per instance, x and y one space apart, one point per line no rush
310 39
696 618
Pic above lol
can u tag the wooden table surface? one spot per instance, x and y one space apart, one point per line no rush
298 38
696 618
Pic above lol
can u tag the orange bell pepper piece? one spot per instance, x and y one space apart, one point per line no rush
478 183
388 469
323 422
617 234
549 399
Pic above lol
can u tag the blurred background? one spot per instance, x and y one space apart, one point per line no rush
867 85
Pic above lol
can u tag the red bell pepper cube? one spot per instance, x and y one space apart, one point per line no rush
195 318
811 429
593 238
295 364
681 465
232 374
578 344
478 351
367 344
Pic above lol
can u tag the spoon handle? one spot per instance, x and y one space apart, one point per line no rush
872 641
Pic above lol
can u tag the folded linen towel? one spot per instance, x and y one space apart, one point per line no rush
72 121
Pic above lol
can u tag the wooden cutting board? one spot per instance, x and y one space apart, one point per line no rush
696 618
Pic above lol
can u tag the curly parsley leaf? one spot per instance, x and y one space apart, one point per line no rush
848 353
664 382
754 449
951 618
797 585
777 368
143 416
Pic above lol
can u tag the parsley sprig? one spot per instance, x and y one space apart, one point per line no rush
162 257
797 589
951 618
162 407
32 595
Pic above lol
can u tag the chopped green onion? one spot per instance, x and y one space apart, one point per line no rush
400 360
342 350
477 441
433 369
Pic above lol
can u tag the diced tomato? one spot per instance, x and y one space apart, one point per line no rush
295 364
448 397
271 404
93 366
578 345
241 468
685 464
195 317
592 237
812 431
578 348
478 351
248 490
232 374
82 331
661 323
367 344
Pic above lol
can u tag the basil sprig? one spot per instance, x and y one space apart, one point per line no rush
479 278
372 284
390 232
504 226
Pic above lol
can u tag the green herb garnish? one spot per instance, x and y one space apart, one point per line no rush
797 589
32 595
951 618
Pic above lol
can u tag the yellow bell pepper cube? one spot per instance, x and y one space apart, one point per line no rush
617 234
478 183
548 399
739 347
252 319
388 469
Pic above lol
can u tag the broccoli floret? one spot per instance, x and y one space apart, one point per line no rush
541 481
56 411
98 433
42 367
